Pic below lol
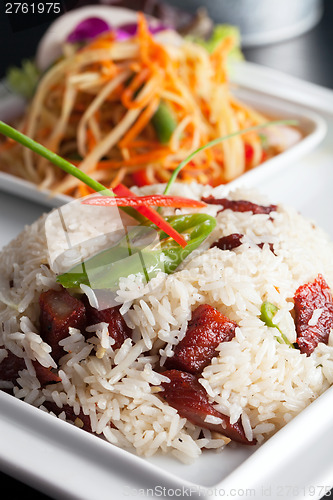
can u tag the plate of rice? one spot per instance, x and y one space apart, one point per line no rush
201 365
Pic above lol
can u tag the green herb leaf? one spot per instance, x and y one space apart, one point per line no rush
264 141
220 32
23 81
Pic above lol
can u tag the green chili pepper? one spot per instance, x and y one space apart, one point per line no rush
140 253
195 228
268 311
164 122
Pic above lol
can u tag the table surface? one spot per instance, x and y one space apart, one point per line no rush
308 57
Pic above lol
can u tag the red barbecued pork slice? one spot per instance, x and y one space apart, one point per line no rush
308 298
118 329
12 364
45 375
228 242
189 398
240 205
58 312
81 420
206 330
233 240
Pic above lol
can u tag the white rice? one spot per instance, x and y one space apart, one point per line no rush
254 377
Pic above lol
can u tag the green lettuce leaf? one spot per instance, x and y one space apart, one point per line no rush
23 80
220 32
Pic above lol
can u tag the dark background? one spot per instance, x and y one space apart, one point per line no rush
309 57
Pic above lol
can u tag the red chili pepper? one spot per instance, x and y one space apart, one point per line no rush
156 200
249 152
153 216
141 178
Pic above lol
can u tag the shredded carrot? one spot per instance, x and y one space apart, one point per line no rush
7 144
119 177
161 175
219 57
141 123
135 84
91 140
151 52
103 41
153 85
134 160
83 189
145 144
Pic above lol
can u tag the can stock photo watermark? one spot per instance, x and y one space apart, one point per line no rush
99 260
194 491
262 492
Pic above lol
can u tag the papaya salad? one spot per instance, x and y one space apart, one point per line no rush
130 108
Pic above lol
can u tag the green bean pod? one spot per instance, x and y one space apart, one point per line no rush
164 122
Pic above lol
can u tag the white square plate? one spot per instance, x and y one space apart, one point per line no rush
65 462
